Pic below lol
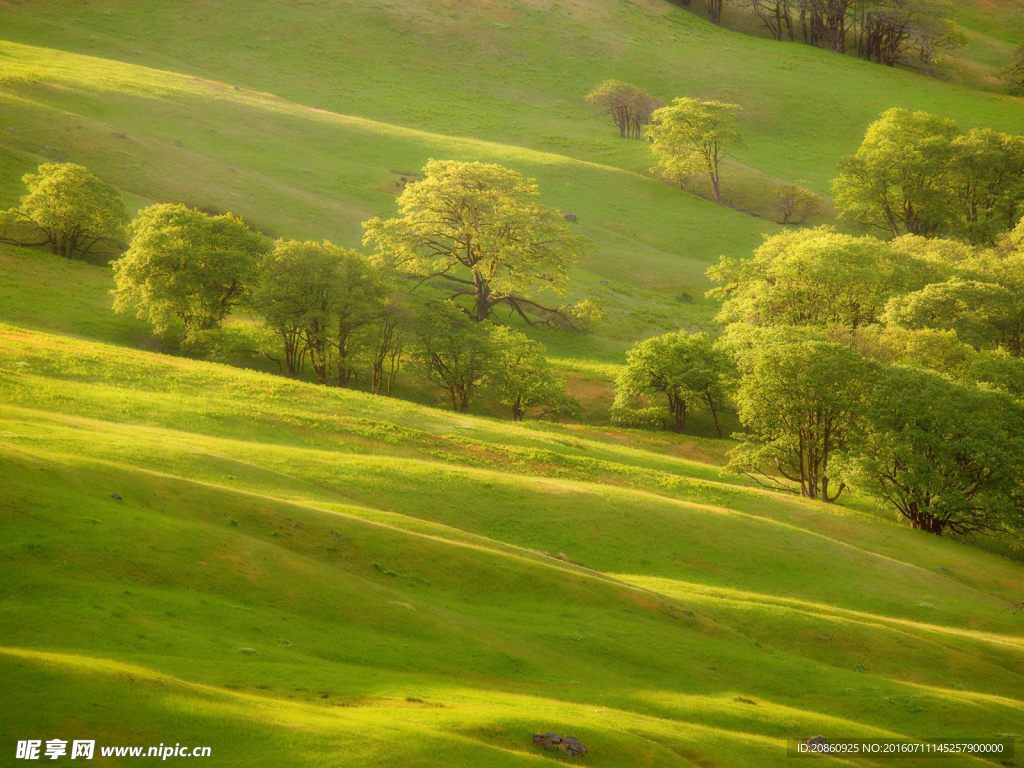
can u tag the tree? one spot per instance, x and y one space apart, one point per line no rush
455 352
896 181
796 204
686 369
948 457
182 263
357 305
292 292
690 137
388 340
522 375
67 208
814 277
481 230
629 107
986 184
715 11
797 402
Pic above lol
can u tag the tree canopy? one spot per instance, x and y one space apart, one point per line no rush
690 137
917 173
481 231
67 208
185 264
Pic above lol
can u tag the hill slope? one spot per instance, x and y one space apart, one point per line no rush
306 125
382 579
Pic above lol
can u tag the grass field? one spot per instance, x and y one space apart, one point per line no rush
349 580
303 576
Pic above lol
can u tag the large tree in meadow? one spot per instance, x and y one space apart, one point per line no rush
481 231
948 457
67 208
683 369
798 401
185 264
691 137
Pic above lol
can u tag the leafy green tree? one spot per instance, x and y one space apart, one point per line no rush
67 208
182 263
947 456
983 314
629 107
897 179
998 369
690 137
986 184
686 369
481 230
387 340
522 375
798 402
294 292
813 277
456 352
359 301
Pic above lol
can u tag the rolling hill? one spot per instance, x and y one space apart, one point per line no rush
305 576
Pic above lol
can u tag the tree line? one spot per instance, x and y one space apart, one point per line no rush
468 239
888 32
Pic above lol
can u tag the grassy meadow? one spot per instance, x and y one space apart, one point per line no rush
308 576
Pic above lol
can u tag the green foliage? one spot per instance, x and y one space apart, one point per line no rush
629 107
948 457
797 402
454 351
982 314
895 180
691 137
327 304
813 277
916 173
67 208
522 375
480 230
686 369
187 265
1000 370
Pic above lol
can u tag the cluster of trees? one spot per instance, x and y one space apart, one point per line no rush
885 31
917 173
894 367
688 137
474 233
628 106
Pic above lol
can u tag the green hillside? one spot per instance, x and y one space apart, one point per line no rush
349 580
305 126
298 575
